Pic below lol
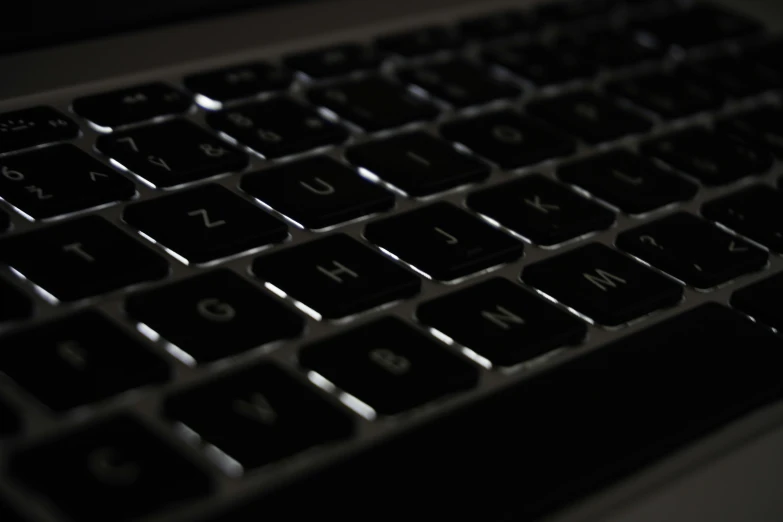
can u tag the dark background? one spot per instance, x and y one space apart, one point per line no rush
31 24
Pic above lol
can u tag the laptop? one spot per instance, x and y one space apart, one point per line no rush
411 260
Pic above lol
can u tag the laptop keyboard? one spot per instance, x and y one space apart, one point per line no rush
363 257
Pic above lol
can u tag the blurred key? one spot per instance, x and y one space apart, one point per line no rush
25 128
131 105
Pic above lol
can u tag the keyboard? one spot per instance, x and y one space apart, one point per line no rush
477 270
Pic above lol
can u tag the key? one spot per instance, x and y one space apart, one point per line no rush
495 25
632 183
417 163
420 41
67 363
131 105
237 81
336 276
459 83
9 424
508 139
317 192
277 127
701 25
501 322
610 48
334 61
602 284
389 365
373 103
34 126
541 210
736 75
755 212
14 304
213 315
711 157
767 54
692 250
259 415
542 65
762 301
58 180
581 432
5 221
171 153
444 241
205 223
88 473
672 95
81 258
589 116
762 126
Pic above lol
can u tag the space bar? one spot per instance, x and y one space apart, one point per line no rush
538 446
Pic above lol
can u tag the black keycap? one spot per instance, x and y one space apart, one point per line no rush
459 83
703 24
171 153
602 284
205 223
81 258
763 301
692 250
237 81
609 48
424 40
671 95
585 425
495 25
501 322
317 192
89 473
277 127
711 157
762 126
541 210
755 212
736 75
373 103
418 163
259 415
78 360
389 365
541 64
5 221
9 424
214 315
14 304
767 54
509 139
57 180
334 61
336 276
444 241
34 126
632 183
131 105
589 116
